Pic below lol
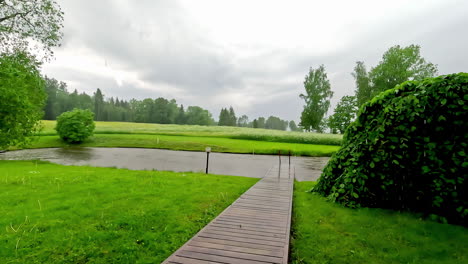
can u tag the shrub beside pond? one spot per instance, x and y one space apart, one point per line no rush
75 126
406 150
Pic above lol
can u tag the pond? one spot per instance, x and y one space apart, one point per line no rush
305 168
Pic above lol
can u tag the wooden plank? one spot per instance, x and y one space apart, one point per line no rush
254 229
234 254
236 243
221 259
266 252
252 236
182 260
242 231
243 239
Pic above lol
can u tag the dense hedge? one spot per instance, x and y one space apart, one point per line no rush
406 150
75 126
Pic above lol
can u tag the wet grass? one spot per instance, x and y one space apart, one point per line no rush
324 232
208 131
68 214
191 143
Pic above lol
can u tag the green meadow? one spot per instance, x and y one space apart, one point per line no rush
197 138
78 214
70 214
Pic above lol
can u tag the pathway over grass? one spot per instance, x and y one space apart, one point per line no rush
254 229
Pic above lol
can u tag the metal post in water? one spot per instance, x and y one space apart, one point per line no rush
279 167
208 150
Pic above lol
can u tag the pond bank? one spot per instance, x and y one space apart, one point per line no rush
305 168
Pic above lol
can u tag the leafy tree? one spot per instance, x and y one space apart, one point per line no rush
317 98
198 116
261 122
98 105
232 117
276 123
293 126
363 86
75 126
255 123
22 98
399 65
180 119
21 20
243 121
344 113
50 109
161 111
223 117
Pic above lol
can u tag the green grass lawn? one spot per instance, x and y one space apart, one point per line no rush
217 144
68 214
197 138
207 131
324 232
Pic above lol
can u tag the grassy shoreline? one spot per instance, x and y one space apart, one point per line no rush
324 232
245 133
223 145
56 213
197 138
79 214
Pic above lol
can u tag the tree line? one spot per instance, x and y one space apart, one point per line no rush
159 110
398 64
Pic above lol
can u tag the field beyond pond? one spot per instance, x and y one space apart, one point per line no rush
197 138
67 214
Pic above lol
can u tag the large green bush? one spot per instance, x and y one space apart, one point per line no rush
406 150
76 125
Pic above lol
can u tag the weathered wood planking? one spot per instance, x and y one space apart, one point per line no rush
254 229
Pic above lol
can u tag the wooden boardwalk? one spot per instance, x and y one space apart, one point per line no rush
254 229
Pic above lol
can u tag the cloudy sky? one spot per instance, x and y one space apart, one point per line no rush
250 54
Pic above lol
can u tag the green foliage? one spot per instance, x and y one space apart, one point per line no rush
293 126
276 123
227 117
317 98
243 121
75 126
344 113
397 66
78 214
406 150
198 116
20 21
22 97
324 232
363 86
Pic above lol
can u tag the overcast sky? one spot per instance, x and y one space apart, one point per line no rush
251 54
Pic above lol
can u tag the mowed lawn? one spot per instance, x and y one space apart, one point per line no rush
197 138
69 214
325 232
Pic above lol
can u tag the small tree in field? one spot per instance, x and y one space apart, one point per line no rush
343 115
75 126
317 98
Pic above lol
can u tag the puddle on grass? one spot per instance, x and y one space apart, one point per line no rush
305 168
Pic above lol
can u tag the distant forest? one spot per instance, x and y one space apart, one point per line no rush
159 110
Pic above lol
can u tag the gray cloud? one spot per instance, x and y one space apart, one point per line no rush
172 56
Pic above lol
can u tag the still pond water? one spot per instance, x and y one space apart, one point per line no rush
304 168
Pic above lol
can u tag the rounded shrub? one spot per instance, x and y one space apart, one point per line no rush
75 126
406 150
